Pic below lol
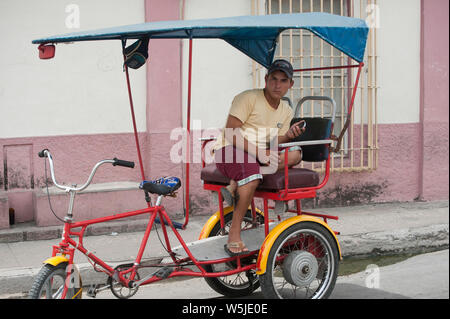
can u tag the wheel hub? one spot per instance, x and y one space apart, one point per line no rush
300 268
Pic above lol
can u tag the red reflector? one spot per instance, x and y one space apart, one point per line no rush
46 51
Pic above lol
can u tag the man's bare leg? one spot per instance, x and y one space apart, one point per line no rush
294 158
245 193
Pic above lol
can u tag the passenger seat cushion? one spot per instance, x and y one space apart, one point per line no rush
298 178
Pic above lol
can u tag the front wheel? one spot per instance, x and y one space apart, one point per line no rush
302 264
50 281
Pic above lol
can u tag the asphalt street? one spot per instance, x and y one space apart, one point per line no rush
423 276
368 230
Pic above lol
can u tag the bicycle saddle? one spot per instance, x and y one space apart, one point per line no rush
161 186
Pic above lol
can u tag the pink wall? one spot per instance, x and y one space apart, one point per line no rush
413 158
395 179
435 99
163 95
74 157
22 171
4 210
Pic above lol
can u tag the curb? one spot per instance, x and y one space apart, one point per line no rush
408 240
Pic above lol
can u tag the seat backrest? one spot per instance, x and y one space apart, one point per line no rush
317 128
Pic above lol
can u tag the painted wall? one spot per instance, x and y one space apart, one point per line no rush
81 90
163 99
399 61
221 71
435 99
77 103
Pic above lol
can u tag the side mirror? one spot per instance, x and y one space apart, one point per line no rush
46 51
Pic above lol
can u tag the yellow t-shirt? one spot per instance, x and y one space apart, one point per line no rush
260 120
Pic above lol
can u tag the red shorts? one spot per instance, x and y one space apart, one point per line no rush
240 166
237 165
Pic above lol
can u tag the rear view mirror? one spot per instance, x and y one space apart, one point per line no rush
46 51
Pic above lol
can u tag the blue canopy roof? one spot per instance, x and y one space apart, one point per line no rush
253 35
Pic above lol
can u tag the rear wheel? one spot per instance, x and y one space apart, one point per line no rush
302 264
237 285
50 281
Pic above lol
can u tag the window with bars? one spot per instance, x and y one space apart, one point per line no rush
304 50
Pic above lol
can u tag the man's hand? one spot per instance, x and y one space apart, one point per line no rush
295 130
270 159
269 162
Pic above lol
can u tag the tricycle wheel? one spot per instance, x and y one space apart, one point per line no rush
237 285
49 283
302 264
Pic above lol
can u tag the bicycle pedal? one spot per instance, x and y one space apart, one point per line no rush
92 291
163 273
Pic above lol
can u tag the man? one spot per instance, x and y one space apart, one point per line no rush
242 153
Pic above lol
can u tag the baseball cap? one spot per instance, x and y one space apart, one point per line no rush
282 65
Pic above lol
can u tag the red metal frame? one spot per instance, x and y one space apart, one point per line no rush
136 137
65 248
188 137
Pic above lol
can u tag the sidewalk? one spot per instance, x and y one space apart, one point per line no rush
364 230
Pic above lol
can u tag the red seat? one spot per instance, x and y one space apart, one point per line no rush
298 178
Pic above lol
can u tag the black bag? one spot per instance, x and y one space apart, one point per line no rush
136 54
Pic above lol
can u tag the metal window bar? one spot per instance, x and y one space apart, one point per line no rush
359 151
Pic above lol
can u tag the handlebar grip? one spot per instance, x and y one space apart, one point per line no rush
42 153
118 162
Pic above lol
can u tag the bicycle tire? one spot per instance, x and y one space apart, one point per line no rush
45 279
326 272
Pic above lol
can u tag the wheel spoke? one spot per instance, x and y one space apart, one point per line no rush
58 292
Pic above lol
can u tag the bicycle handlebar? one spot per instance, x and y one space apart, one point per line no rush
115 161
42 153
123 163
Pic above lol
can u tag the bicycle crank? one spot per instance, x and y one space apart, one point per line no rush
117 288
94 289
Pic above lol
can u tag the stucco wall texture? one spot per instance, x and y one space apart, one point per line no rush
435 99
412 163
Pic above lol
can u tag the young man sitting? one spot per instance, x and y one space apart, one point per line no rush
243 152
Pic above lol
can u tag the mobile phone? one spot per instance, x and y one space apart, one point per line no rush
302 124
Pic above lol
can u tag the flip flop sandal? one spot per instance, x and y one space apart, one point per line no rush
239 245
228 196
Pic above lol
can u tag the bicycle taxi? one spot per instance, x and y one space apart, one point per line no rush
296 257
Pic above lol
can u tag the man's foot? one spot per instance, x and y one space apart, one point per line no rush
229 193
236 248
